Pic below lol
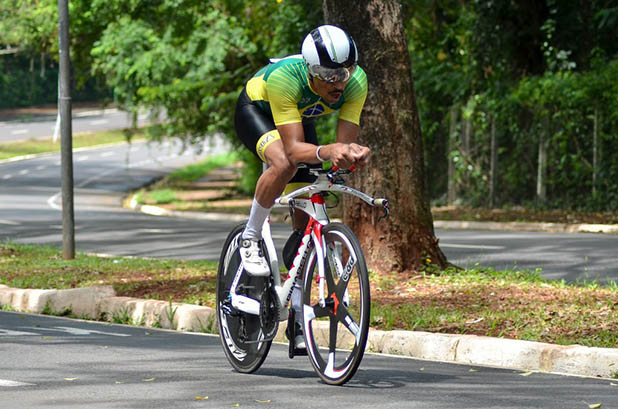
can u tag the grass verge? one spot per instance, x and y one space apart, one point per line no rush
36 146
27 266
510 304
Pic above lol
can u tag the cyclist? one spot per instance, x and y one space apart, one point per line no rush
274 119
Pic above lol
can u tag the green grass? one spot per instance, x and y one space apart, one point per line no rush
194 172
36 146
515 304
162 196
27 266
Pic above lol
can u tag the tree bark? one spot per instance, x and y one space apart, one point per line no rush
595 150
493 163
391 128
451 194
541 190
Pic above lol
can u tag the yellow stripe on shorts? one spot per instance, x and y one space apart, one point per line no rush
264 141
290 187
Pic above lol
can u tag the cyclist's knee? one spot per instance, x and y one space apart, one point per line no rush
281 164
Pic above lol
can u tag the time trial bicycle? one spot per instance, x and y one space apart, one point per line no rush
330 266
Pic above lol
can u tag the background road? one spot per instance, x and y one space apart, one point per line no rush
42 124
569 256
59 363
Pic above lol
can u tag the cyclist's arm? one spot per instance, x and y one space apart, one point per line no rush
347 132
342 154
294 145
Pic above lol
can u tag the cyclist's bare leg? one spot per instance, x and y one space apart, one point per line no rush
270 185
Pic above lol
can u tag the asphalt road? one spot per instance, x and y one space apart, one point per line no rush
42 125
560 256
60 363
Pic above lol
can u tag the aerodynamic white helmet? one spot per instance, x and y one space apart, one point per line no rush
330 53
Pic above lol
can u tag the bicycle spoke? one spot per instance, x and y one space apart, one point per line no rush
332 342
348 321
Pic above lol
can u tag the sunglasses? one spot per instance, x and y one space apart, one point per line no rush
332 75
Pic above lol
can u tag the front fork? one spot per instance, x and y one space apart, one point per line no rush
320 252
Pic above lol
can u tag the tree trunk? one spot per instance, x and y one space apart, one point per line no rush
541 191
451 194
595 151
493 163
391 128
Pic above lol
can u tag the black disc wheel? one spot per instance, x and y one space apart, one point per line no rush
241 334
336 325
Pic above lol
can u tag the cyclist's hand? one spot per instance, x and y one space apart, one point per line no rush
341 155
361 154
344 155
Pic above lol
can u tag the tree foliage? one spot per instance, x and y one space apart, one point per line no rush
527 68
528 74
189 58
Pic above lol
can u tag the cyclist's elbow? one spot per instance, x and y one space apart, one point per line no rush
293 154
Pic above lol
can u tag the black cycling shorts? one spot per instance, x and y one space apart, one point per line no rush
256 129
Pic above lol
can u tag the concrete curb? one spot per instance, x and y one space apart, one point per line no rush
159 211
523 226
101 302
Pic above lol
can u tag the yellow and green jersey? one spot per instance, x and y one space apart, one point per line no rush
282 89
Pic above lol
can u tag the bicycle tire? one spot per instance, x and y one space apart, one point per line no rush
242 351
334 353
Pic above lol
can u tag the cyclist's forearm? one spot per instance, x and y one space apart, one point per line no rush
347 132
302 152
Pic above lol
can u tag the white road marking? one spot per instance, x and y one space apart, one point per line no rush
472 246
7 176
106 154
41 167
9 383
12 333
165 231
98 122
9 222
96 112
79 331
24 172
82 158
19 132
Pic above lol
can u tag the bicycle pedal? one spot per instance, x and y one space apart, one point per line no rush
298 352
228 310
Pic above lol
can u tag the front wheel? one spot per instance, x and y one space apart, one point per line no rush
241 333
336 332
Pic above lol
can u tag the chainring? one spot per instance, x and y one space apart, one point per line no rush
269 313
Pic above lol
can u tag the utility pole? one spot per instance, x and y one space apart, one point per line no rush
66 133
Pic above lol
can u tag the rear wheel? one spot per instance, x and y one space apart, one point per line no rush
336 333
241 333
